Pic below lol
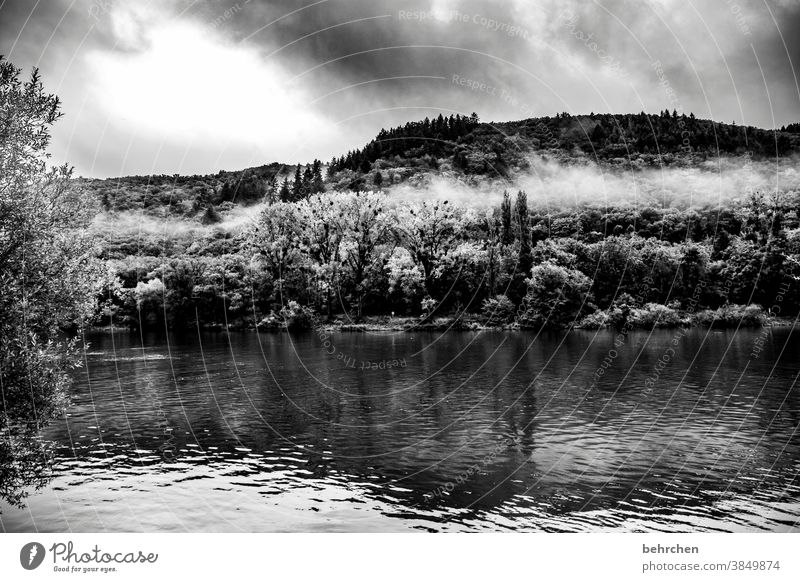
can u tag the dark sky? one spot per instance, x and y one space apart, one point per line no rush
181 86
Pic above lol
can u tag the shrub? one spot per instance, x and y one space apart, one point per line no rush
295 316
498 310
654 315
596 320
732 315
555 298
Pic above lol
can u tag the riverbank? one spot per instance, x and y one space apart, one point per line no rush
648 317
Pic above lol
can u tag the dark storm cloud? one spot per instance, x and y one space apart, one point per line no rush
704 49
338 43
350 67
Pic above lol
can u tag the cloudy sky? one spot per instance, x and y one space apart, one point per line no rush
194 86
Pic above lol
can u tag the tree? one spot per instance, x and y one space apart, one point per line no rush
210 216
285 194
432 232
297 185
308 182
276 240
49 276
556 296
507 236
522 228
317 183
366 230
322 219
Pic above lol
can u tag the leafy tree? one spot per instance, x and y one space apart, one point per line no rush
431 232
276 241
556 296
365 246
322 217
49 276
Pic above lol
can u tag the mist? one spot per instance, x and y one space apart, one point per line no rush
552 182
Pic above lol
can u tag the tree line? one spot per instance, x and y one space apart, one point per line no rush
359 254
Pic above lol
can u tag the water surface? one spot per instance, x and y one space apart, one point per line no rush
463 431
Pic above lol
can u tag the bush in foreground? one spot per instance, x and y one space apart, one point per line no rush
556 296
732 315
499 310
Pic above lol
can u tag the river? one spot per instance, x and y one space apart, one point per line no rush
682 430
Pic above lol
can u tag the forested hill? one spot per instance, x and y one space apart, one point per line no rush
498 148
460 145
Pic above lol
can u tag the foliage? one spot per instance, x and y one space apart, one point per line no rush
499 310
49 276
556 296
296 316
358 253
330 245
653 315
731 316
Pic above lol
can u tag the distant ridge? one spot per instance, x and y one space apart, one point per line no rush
465 146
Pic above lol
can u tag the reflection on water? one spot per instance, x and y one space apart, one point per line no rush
475 431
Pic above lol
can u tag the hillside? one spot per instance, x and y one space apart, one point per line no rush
207 250
462 147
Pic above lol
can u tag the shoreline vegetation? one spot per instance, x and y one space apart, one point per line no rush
366 258
652 317
421 229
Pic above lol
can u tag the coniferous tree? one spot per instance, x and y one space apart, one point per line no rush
317 183
523 230
285 194
507 234
308 182
518 287
297 185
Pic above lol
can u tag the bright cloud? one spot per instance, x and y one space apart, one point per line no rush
181 82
